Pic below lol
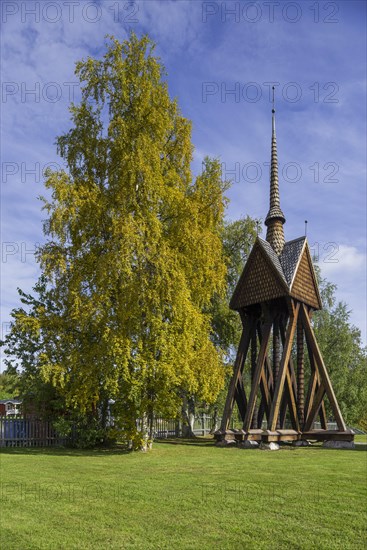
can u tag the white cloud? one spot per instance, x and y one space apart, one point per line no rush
341 258
348 272
195 52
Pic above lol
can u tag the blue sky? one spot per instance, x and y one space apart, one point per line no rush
221 58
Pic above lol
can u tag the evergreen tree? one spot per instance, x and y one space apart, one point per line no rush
344 354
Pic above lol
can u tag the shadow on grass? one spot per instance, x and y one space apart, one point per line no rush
210 442
100 451
196 441
122 450
66 451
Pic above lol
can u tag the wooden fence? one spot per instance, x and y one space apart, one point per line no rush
17 431
203 425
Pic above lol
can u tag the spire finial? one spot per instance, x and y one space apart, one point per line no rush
257 227
273 116
275 218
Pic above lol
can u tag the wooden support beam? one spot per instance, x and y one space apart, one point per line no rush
310 337
264 393
257 374
263 409
290 363
279 386
267 381
282 412
269 374
248 324
323 417
300 372
315 407
289 400
253 369
312 387
328 435
269 371
292 403
260 415
293 376
277 346
322 411
241 400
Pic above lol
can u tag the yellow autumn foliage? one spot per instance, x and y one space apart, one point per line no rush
133 255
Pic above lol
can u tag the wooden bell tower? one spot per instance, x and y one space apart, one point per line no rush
275 297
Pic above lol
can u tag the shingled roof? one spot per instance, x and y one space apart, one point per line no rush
289 257
286 263
273 258
285 267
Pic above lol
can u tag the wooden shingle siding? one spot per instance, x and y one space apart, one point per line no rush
259 283
303 287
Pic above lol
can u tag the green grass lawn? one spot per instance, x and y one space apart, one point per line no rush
183 495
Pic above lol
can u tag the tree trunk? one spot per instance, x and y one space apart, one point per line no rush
188 417
150 431
144 443
215 421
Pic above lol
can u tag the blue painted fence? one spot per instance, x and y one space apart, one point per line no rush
23 432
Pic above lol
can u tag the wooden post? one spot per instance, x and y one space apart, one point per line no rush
257 375
325 380
292 403
300 373
248 324
282 412
241 400
279 386
267 392
310 395
276 357
319 396
254 424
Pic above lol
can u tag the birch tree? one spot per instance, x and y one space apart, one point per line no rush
133 252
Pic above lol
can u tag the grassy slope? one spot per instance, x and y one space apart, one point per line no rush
183 496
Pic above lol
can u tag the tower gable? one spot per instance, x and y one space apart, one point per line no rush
304 285
260 281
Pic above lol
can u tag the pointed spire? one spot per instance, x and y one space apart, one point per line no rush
275 218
